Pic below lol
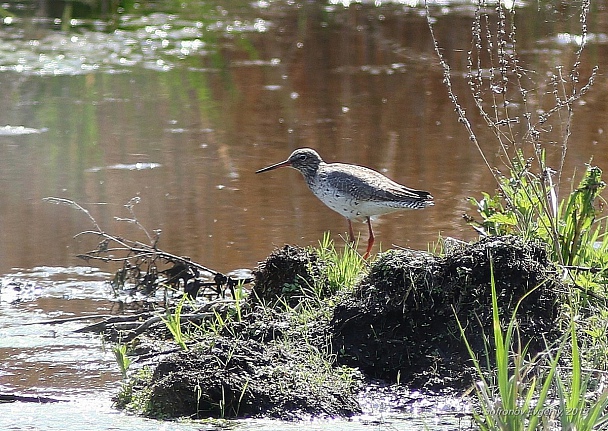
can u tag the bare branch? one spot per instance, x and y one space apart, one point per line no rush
72 204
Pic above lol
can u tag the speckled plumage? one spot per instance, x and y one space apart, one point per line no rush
356 192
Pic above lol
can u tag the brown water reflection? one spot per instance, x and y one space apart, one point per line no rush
360 84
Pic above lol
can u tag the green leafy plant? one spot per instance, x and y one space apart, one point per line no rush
123 361
217 324
504 397
526 205
173 321
239 296
577 228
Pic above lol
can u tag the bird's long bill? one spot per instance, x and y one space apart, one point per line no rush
275 166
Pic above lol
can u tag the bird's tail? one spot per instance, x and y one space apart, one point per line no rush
425 198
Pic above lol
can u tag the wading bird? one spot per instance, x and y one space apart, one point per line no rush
356 192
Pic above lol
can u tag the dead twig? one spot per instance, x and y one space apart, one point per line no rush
146 267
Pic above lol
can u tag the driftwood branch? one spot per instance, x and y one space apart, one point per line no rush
68 319
138 249
131 329
146 267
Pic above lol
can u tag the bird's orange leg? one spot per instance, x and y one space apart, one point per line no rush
370 241
351 233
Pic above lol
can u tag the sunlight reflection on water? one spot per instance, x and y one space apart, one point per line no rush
141 42
19 130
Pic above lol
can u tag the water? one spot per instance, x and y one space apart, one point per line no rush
94 117
180 108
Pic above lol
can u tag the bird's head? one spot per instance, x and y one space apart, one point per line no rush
305 160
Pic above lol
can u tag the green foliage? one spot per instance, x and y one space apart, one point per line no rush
239 297
516 396
343 268
123 361
505 396
595 337
218 324
577 413
517 207
173 321
223 323
577 219
527 205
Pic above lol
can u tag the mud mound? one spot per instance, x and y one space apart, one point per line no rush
400 322
227 377
288 274
261 361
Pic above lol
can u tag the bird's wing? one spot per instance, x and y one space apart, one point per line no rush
402 192
372 185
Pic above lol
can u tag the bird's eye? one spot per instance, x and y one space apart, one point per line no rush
302 157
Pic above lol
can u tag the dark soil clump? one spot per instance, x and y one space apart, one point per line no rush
229 377
401 324
289 274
